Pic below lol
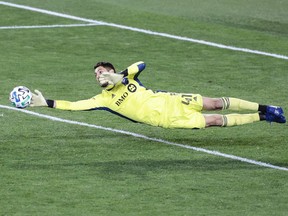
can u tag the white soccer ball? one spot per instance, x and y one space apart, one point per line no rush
20 97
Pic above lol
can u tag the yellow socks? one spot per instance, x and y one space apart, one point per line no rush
238 104
239 119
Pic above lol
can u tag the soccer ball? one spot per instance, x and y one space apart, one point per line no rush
20 97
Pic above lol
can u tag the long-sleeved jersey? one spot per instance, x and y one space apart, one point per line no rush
131 100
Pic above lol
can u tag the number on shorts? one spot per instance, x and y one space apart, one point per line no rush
186 99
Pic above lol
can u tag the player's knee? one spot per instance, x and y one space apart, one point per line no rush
218 103
213 120
213 103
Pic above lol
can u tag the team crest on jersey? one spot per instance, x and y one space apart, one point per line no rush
131 87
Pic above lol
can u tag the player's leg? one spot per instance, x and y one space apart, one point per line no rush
272 113
229 103
232 119
213 120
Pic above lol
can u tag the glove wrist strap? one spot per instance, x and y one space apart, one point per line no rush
50 103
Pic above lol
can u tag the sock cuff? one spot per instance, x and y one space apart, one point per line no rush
226 103
224 121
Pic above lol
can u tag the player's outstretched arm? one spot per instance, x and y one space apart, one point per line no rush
38 100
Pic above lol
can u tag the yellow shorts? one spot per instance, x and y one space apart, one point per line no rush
185 112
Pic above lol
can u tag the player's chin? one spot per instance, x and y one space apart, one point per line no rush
103 85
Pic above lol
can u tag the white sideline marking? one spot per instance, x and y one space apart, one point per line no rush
215 153
48 26
50 12
222 46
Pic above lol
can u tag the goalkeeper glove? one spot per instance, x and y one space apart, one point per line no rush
38 99
112 77
108 79
104 83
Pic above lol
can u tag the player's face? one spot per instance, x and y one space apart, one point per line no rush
99 70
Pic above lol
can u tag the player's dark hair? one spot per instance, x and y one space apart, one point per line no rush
105 64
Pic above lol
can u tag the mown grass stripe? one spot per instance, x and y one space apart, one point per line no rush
212 44
215 153
48 26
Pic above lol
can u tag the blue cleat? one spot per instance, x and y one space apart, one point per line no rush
275 114
274 110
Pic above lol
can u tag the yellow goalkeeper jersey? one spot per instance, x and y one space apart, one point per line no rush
131 100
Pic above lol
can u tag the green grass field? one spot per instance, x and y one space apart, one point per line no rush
55 168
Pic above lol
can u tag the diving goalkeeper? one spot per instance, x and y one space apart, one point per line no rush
124 95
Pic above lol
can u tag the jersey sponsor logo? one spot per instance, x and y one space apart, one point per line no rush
131 88
121 99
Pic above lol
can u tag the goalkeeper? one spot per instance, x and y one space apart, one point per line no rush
124 95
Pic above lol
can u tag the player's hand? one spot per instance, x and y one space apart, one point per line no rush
104 83
38 99
112 77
